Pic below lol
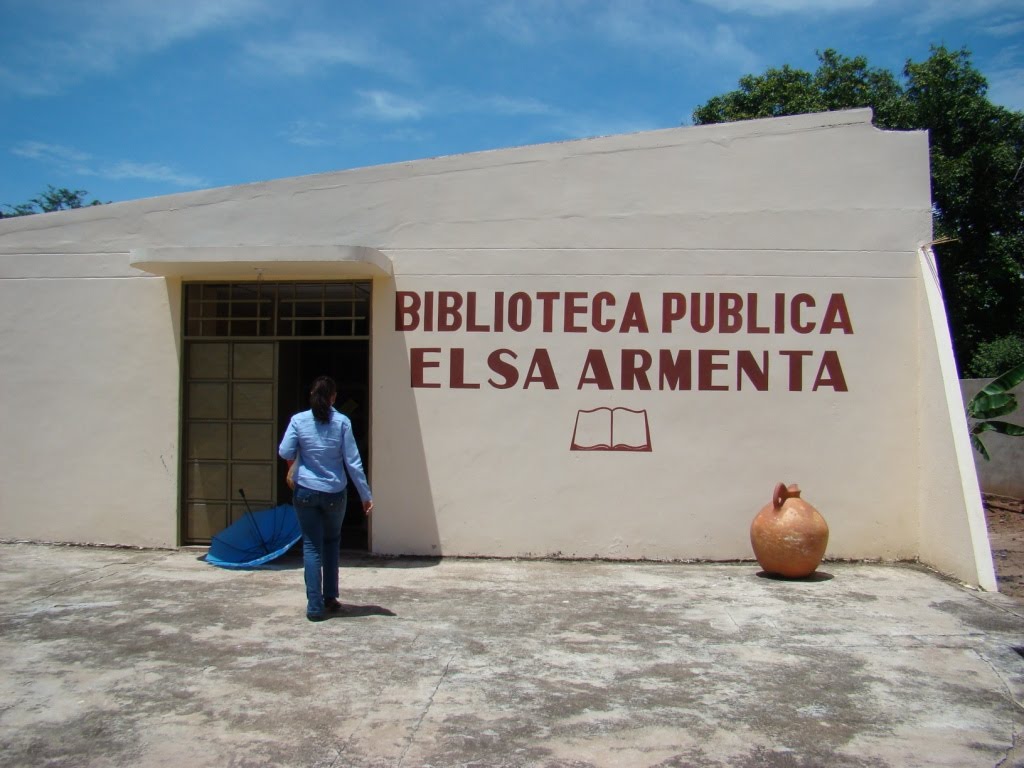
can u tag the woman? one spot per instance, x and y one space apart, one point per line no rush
322 441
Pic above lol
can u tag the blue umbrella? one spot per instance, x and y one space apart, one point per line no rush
256 538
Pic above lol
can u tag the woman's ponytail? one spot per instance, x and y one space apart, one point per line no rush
320 396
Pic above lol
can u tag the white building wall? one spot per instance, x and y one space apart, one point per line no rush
89 401
815 206
495 469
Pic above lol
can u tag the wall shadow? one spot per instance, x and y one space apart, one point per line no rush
404 521
363 560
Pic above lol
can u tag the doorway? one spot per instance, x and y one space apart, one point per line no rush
348 363
252 349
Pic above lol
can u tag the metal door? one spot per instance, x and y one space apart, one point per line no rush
230 441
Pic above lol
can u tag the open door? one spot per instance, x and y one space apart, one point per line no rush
252 349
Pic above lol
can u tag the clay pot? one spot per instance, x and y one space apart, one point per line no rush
788 535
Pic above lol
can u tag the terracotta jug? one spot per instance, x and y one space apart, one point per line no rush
788 535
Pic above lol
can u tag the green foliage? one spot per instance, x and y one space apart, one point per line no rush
995 356
993 401
977 163
53 199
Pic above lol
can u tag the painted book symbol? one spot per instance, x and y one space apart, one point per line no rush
611 429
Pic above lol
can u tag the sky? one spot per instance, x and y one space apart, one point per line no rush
138 98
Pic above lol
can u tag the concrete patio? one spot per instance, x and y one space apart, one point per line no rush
121 657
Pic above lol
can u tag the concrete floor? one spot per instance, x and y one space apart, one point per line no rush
118 657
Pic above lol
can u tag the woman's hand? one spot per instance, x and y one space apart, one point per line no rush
368 507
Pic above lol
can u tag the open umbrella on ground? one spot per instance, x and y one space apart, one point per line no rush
256 538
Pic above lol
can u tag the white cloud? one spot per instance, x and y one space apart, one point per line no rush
309 52
673 31
1011 28
777 7
69 160
934 12
583 126
529 22
66 41
1006 87
307 133
660 27
156 172
387 106
53 153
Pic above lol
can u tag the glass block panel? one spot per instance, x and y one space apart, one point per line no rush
244 291
338 309
253 400
337 327
208 400
256 479
244 309
214 291
254 361
208 480
238 509
214 328
252 441
308 308
308 328
208 361
205 520
207 441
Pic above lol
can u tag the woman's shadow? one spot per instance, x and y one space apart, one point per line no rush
351 611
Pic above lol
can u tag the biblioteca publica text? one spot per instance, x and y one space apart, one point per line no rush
639 367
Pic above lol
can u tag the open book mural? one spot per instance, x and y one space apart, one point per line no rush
611 429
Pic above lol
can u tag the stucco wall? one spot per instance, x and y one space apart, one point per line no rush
954 536
1003 474
496 473
88 402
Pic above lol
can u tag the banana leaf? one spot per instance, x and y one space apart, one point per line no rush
1006 382
988 406
979 446
1002 427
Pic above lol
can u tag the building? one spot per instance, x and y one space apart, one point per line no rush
605 348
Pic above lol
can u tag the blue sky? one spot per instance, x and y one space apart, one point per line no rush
137 98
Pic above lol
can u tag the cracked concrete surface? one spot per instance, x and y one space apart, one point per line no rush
117 657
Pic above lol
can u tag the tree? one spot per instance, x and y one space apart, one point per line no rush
53 199
977 165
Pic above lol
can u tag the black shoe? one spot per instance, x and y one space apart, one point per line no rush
332 605
316 617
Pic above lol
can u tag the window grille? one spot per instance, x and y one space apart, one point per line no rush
305 310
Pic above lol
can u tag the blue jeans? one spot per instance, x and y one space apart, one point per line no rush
320 517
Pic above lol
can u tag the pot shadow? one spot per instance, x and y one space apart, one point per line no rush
814 577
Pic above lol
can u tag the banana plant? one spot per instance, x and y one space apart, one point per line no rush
993 401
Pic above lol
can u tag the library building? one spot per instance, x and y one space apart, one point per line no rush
609 348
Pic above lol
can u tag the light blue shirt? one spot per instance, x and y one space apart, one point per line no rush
325 452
